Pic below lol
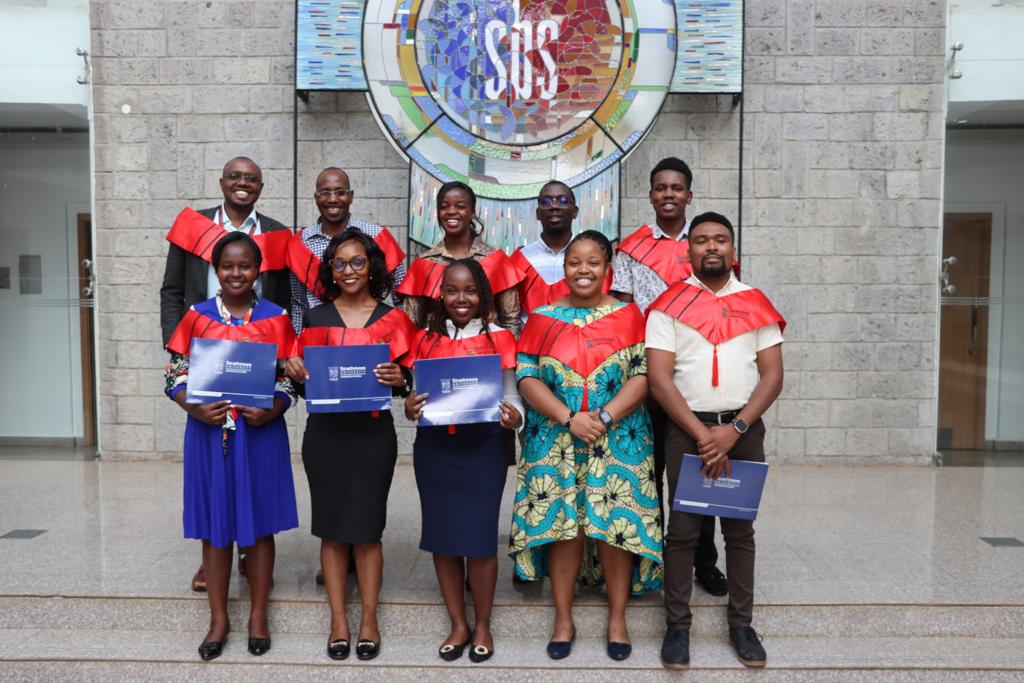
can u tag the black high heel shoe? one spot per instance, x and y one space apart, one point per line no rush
211 649
338 649
367 649
560 649
259 646
450 653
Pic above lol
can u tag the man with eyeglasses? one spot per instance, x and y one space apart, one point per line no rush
333 197
189 275
541 262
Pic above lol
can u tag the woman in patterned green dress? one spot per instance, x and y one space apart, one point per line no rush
586 504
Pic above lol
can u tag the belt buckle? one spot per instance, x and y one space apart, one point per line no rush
718 417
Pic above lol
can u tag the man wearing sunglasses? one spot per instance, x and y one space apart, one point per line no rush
541 262
189 275
333 197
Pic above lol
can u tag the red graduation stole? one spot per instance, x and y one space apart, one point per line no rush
306 265
273 330
432 345
718 318
583 348
668 258
424 276
394 329
198 235
534 292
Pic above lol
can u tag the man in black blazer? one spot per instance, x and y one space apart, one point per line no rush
189 279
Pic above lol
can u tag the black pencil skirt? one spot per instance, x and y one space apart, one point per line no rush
350 461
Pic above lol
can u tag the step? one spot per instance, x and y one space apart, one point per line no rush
520 620
93 654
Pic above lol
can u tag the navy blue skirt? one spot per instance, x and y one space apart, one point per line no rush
460 478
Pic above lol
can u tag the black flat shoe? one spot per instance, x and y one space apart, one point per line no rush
338 649
367 649
450 653
259 646
212 649
619 651
480 653
560 649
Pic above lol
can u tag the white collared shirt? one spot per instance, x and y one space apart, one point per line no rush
737 358
251 224
473 328
550 264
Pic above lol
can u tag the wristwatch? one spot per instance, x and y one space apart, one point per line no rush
740 426
568 420
606 418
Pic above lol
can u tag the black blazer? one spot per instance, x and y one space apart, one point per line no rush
185 280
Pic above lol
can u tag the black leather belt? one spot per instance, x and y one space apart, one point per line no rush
718 418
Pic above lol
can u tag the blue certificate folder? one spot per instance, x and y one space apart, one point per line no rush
241 372
341 378
462 390
737 496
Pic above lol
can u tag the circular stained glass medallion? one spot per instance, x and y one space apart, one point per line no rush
507 94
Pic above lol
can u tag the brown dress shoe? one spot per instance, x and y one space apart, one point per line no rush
199 581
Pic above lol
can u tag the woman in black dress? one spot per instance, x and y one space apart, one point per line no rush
350 457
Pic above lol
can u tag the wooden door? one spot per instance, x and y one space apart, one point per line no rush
86 309
963 339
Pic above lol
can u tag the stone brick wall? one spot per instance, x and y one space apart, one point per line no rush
843 136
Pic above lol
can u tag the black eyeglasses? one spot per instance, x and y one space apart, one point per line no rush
357 263
561 200
327 194
238 175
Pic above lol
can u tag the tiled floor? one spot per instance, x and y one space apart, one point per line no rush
826 535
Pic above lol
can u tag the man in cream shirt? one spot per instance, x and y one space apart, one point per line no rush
714 357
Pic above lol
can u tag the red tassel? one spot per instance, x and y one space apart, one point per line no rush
714 367
584 405
375 413
451 430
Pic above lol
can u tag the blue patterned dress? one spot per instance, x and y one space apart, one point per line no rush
606 491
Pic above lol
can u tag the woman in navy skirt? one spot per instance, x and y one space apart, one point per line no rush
237 463
461 470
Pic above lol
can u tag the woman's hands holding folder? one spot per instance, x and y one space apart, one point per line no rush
257 417
414 405
210 413
389 374
510 416
296 369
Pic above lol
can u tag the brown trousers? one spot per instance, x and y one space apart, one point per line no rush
684 529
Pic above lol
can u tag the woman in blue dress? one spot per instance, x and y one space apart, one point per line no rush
237 463
586 504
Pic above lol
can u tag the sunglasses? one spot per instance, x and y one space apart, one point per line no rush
357 263
561 200
327 194
238 175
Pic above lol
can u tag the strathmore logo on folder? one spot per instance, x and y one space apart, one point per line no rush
336 373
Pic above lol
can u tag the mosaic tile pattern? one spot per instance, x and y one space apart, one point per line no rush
511 224
710 41
328 45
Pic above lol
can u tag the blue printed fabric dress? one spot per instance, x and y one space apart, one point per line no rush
564 487
238 478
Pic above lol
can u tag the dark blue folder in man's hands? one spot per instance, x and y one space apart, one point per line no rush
241 372
737 496
341 378
463 390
